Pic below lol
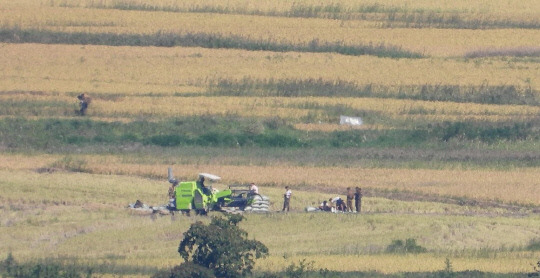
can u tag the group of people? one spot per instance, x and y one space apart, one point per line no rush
337 204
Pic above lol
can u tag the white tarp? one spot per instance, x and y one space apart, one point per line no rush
209 176
345 120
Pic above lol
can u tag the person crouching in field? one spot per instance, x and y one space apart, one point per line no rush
339 203
84 101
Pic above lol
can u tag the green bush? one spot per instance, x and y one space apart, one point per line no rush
10 268
169 140
222 247
409 246
353 138
186 270
485 132
273 139
534 245
300 270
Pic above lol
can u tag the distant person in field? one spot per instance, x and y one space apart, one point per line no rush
350 197
172 197
331 205
203 187
325 206
84 101
340 204
253 189
287 199
358 199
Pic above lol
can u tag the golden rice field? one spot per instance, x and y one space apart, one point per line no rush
517 186
69 202
80 216
105 69
151 107
130 73
435 42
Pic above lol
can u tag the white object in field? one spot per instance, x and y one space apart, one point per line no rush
346 120
209 176
170 176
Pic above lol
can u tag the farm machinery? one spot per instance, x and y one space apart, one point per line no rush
200 197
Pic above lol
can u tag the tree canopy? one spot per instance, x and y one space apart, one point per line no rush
221 246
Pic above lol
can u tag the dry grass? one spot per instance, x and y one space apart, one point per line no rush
78 215
516 186
408 263
63 214
482 6
156 108
434 42
66 68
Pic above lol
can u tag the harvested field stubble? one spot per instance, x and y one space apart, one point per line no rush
80 216
516 186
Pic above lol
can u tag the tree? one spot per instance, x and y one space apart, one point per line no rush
221 246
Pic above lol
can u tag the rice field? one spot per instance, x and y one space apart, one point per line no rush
519 186
408 68
98 17
45 215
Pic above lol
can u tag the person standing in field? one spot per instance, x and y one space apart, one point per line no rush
286 199
358 199
84 101
172 194
350 197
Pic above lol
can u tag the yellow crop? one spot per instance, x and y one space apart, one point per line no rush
66 68
518 185
436 42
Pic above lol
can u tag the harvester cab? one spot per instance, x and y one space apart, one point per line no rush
201 196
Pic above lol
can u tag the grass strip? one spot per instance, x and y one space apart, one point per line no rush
486 94
206 40
388 16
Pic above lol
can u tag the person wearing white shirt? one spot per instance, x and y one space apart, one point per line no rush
253 188
286 198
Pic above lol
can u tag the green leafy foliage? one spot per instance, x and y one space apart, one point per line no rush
186 270
534 245
484 132
11 268
300 270
409 246
222 247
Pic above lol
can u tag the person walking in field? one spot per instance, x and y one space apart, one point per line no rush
84 101
350 197
358 199
286 199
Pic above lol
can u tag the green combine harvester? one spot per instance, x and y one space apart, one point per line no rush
202 198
